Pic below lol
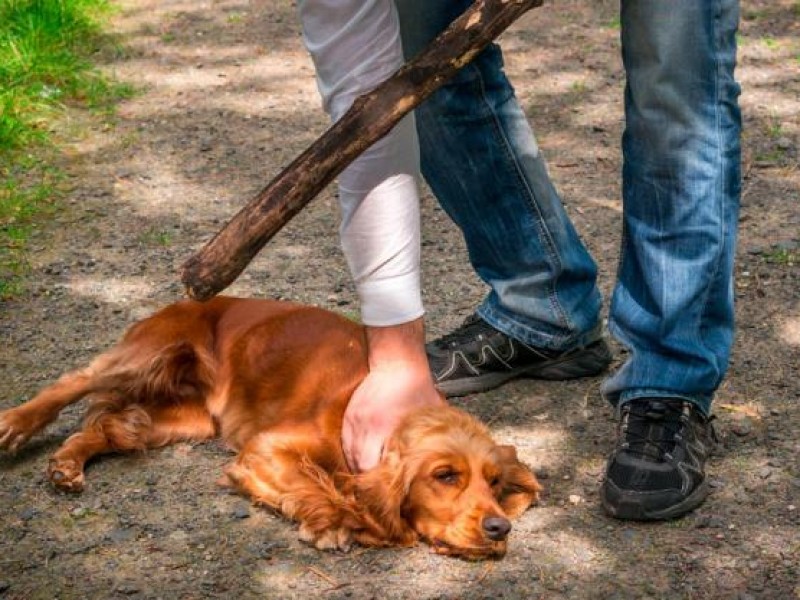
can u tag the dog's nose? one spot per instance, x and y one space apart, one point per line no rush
496 528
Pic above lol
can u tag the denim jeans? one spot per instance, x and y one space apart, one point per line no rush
672 304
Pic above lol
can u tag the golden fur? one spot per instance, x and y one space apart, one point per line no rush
273 379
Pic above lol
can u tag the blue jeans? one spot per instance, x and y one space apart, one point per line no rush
672 305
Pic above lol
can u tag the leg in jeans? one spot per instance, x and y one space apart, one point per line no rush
673 302
481 160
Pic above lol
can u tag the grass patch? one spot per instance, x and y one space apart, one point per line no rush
783 256
47 49
155 236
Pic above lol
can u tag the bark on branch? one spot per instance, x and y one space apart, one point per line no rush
370 117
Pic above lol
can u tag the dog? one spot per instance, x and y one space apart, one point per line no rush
273 379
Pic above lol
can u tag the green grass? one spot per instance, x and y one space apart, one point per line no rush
47 49
783 256
155 236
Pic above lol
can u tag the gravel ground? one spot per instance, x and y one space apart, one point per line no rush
228 99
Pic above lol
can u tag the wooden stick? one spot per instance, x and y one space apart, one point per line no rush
370 117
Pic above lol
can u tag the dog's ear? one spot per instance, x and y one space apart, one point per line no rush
520 487
380 493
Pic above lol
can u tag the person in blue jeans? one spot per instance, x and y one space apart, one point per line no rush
672 305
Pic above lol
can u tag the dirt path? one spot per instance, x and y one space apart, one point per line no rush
229 99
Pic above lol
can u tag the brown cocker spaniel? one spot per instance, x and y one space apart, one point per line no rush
273 380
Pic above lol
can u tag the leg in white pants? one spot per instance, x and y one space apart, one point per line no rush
355 45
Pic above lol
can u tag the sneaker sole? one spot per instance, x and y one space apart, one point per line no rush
630 508
588 362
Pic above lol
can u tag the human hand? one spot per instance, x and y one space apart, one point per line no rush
376 407
399 380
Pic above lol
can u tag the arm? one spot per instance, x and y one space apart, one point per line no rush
399 380
355 45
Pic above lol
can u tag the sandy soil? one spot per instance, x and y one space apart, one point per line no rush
228 99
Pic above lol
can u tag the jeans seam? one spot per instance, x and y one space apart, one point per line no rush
524 187
719 186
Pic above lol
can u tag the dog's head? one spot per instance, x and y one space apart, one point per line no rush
442 478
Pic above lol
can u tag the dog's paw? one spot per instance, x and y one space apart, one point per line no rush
15 429
65 475
329 539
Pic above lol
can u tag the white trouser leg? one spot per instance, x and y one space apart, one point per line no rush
355 45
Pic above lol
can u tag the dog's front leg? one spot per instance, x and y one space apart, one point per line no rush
278 470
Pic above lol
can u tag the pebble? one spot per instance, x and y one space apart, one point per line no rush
241 511
742 428
787 245
710 521
121 534
80 512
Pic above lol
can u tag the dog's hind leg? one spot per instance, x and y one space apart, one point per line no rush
109 426
114 427
162 372
19 424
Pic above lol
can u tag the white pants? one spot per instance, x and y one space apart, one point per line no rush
355 45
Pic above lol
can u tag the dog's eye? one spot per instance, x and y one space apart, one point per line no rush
448 476
494 481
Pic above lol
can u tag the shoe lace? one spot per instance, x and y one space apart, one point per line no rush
651 429
472 327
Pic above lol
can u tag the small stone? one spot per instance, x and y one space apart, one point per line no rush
741 428
28 514
241 511
712 522
121 534
787 245
128 589
764 472
575 499
701 521
4 586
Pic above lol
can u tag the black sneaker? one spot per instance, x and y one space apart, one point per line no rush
476 358
657 471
